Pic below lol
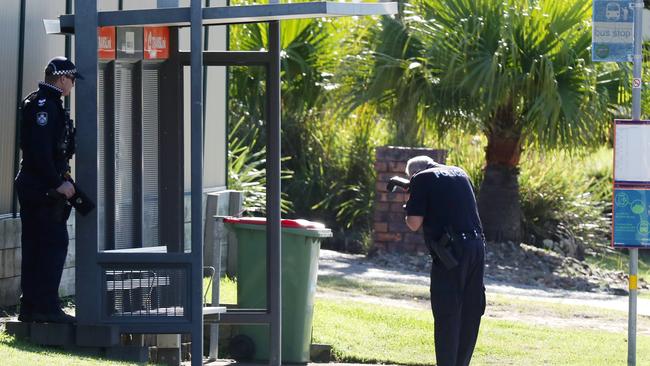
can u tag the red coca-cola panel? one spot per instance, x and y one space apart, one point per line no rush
106 43
156 43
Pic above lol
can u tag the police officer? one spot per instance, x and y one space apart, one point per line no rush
43 187
442 202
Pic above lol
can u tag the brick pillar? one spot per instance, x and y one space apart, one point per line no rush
390 233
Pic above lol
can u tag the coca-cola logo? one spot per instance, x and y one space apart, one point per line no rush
105 43
156 42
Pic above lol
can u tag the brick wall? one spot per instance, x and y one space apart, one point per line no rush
10 257
390 233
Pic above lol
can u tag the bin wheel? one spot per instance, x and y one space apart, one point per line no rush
242 347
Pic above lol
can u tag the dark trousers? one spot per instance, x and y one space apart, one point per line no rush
458 302
44 249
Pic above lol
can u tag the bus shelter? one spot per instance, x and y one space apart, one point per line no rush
129 276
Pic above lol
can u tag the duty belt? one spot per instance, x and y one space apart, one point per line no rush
466 235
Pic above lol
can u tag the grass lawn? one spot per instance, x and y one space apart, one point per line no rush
18 353
360 332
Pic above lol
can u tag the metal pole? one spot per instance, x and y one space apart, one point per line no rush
196 113
19 97
273 232
68 48
636 115
87 273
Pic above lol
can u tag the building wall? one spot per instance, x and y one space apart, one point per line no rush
39 48
9 27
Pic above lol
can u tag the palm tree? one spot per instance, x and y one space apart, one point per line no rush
519 71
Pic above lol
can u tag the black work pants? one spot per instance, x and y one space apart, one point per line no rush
458 302
44 249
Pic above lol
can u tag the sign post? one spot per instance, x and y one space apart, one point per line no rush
617 36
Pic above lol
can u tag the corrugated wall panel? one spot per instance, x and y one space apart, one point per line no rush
39 47
9 33
124 197
101 160
150 146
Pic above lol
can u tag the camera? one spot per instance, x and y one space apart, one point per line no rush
400 182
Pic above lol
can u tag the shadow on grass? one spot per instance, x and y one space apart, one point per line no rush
26 346
93 355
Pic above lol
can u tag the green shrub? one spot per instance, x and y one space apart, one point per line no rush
566 195
563 194
246 171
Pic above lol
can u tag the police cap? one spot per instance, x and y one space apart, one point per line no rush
62 66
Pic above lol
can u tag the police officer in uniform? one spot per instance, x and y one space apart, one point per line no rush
442 202
43 187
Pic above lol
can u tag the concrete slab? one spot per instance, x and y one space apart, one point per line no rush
128 353
51 334
97 335
18 329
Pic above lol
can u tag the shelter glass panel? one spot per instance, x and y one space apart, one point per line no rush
123 159
150 157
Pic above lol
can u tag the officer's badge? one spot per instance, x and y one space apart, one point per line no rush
41 102
41 118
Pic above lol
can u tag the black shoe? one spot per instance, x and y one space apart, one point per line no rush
25 316
25 313
54 317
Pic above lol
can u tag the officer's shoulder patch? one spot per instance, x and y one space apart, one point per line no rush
41 118
41 102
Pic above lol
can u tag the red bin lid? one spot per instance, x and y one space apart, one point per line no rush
288 223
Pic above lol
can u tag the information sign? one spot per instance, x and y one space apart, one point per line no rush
156 43
631 217
612 30
631 200
106 43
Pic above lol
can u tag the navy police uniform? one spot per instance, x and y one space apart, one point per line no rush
47 144
443 195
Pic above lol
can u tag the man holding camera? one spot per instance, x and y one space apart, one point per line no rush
442 202
44 186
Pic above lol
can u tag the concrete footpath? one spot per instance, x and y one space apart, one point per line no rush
356 267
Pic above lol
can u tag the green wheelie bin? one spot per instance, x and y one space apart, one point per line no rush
301 241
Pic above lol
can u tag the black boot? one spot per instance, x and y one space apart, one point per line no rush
26 311
56 316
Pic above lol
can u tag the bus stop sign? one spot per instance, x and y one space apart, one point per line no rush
612 31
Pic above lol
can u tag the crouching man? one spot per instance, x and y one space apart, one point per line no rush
442 202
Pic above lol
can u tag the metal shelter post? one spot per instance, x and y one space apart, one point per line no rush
273 232
196 113
87 274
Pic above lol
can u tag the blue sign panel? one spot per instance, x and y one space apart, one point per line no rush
631 217
612 30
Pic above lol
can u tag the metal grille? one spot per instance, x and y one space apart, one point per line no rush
152 292
150 145
124 202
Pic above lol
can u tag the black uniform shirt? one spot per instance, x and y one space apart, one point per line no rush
41 131
444 196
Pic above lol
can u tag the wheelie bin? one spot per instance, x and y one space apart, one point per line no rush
301 241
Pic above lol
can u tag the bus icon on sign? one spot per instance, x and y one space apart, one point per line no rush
613 11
